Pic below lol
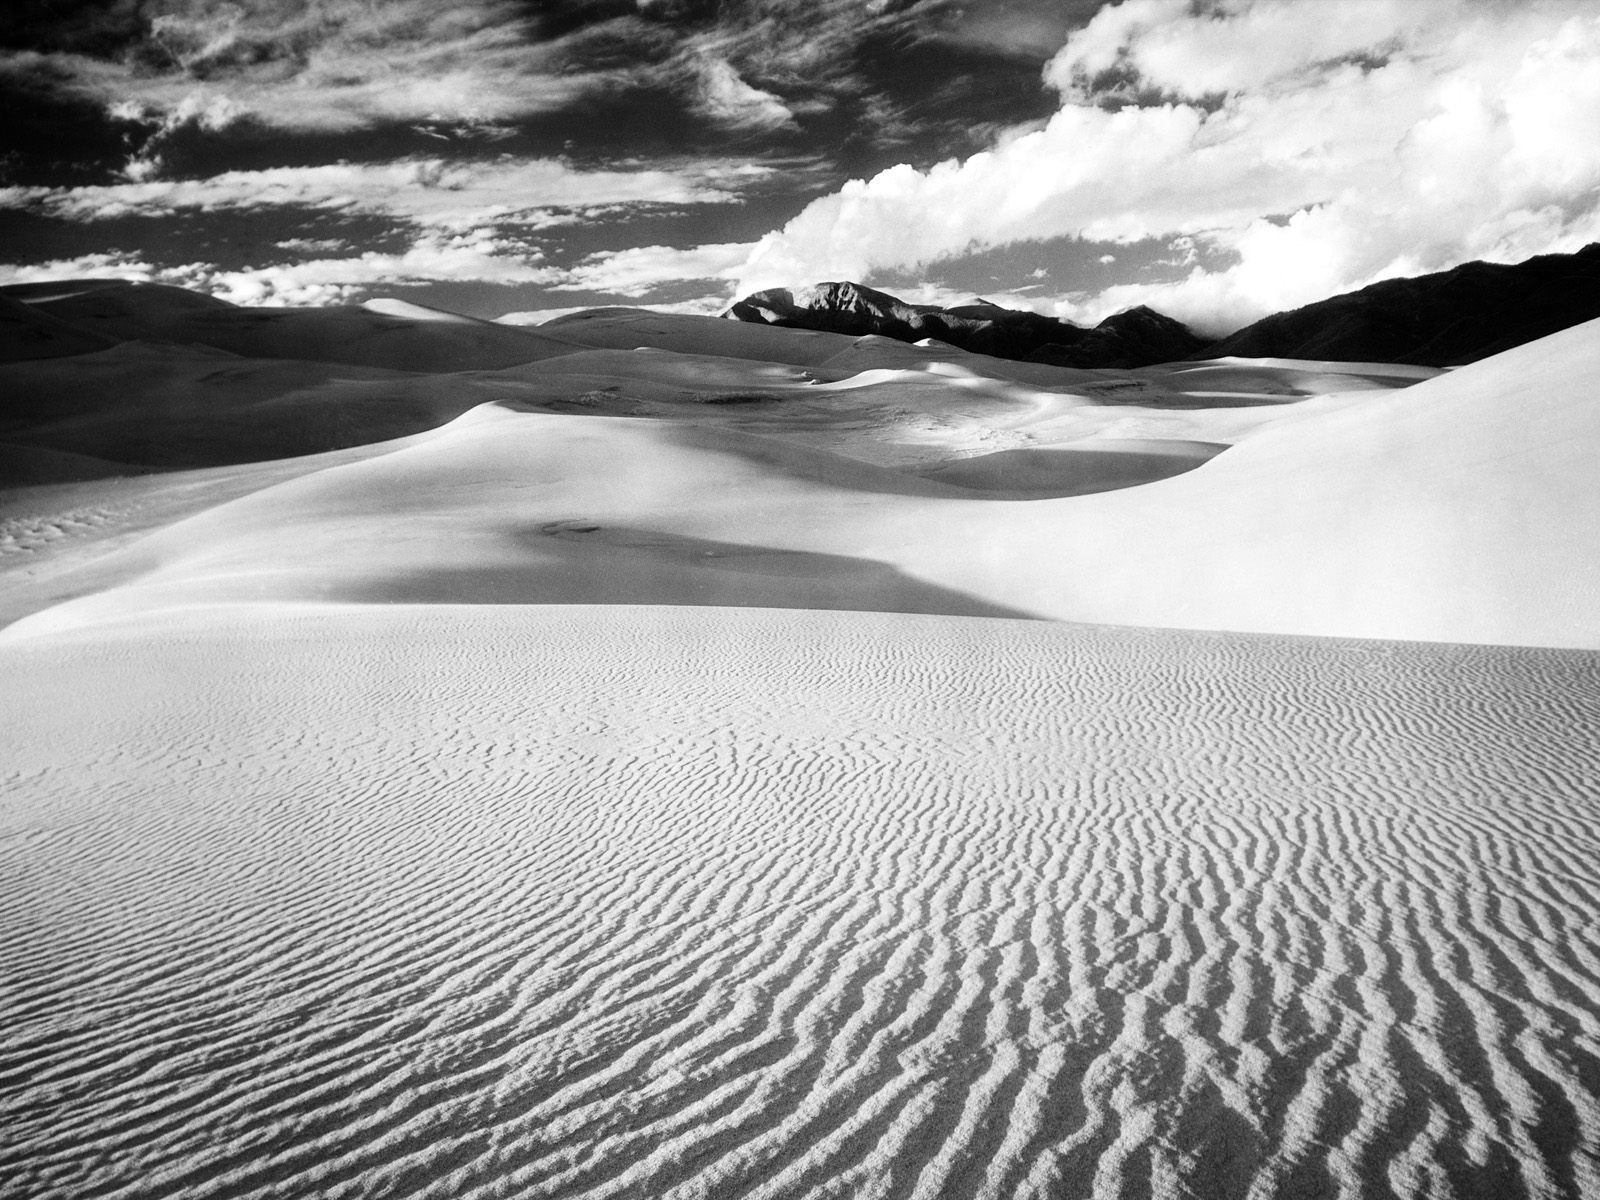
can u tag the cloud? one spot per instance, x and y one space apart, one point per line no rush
730 101
708 305
331 65
476 65
426 191
212 114
114 264
312 245
639 270
1021 28
1188 51
1385 137
433 257
474 258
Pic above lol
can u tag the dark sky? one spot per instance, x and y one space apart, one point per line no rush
1217 160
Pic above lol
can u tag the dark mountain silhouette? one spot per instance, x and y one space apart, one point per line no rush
1439 320
1134 338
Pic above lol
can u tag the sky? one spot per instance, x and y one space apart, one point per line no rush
1217 160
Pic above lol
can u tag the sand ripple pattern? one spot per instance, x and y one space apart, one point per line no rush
472 902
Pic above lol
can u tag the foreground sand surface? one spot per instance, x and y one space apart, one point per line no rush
645 901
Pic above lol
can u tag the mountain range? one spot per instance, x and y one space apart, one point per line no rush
1439 320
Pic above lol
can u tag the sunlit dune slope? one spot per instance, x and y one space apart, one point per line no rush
65 519
1460 509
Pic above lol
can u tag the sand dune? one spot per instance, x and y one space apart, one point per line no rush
27 334
1098 465
192 406
631 328
60 540
618 902
358 336
178 406
633 782
1257 377
1448 511
1453 510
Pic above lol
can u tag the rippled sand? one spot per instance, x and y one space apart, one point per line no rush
654 902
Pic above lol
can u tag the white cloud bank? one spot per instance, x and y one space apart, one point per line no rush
1318 148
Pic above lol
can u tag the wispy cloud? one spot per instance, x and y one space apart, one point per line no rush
476 258
339 65
727 99
640 270
1385 137
433 257
196 111
329 65
428 192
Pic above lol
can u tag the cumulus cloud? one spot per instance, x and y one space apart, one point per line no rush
426 191
1235 45
1382 138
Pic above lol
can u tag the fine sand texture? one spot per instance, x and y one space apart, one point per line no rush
690 902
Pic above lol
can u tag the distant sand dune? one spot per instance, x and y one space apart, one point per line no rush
27 334
127 311
1453 510
628 328
625 902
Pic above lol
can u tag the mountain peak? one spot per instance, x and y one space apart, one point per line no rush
1138 337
